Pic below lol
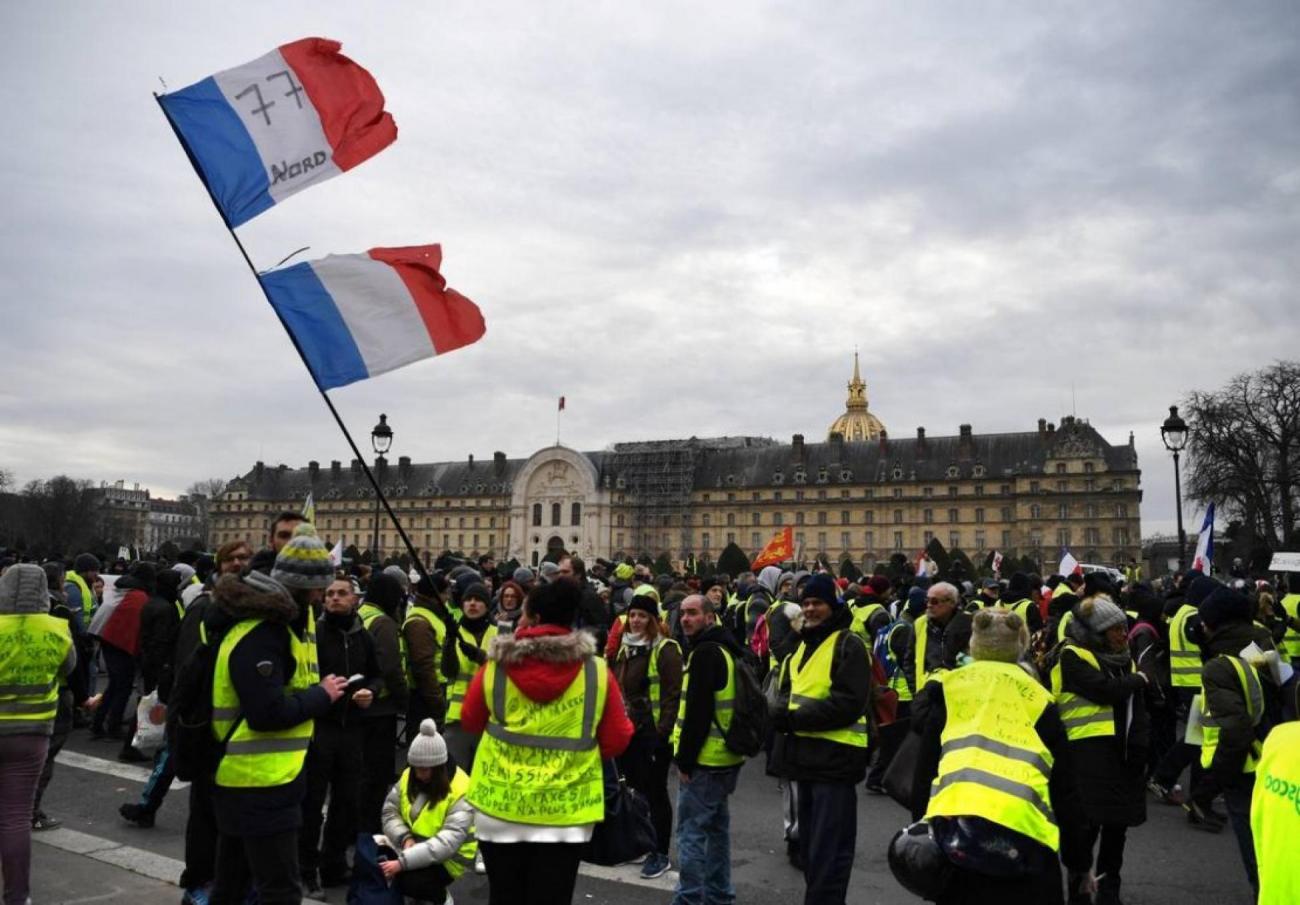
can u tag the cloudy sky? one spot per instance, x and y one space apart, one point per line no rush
682 217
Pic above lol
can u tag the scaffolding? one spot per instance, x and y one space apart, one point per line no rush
657 477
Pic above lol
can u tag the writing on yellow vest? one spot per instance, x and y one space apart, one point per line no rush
992 763
426 820
256 759
33 649
1275 816
538 761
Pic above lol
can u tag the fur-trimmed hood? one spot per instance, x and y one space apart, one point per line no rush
543 660
240 600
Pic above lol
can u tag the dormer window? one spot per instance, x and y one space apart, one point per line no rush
952 471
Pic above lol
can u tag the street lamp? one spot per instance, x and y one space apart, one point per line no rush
1174 434
381 440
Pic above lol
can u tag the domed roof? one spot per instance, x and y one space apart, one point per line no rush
857 424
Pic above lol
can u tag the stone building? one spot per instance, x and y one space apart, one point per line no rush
867 496
171 520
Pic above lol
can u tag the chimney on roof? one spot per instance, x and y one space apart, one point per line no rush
336 468
1042 428
922 447
1130 439
1051 430
404 466
837 446
356 467
499 461
258 469
796 446
471 461
884 441
313 470
966 443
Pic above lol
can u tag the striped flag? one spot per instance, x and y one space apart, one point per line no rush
309 509
1204 558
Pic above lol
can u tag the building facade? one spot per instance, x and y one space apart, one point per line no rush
1025 494
171 520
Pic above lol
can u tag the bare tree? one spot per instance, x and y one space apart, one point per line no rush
1244 449
202 493
209 487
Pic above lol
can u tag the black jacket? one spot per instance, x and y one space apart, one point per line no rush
707 669
261 666
943 644
159 626
819 759
345 648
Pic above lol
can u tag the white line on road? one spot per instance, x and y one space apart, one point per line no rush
80 761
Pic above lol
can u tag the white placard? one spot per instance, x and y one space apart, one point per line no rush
1285 562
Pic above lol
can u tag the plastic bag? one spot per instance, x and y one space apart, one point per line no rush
150 724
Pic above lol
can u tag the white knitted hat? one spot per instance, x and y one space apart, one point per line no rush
427 749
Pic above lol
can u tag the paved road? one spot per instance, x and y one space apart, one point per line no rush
1168 864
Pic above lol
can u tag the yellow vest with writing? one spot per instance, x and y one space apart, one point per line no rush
430 818
993 764
811 683
714 752
1083 718
465 669
1275 816
539 761
259 760
1184 655
33 649
1253 692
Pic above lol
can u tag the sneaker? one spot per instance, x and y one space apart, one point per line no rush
133 813
1203 819
42 821
479 867
1173 795
656 865
197 895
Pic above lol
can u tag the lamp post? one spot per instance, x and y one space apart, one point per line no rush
381 440
1174 434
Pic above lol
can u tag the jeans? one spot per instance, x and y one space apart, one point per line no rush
1237 802
121 679
828 821
159 782
21 759
704 838
271 862
531 873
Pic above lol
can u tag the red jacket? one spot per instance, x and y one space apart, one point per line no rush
122 630
546 679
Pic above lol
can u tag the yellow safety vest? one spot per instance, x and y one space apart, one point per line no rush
1019 607
1184 655
33 649
1291 640
714 752
993 764
258 760
921 640
87 595
539 762
897 680
1083 718
861 617
439 633
369 613
1275 816
652 677
1254 695
1066 618
428 820
811 683
465 669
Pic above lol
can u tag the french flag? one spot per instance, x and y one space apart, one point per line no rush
297 116
1204 557
355 316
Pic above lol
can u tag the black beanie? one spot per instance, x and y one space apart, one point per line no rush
555 603
385 592
1201 588
1018 586
646 603
1224 605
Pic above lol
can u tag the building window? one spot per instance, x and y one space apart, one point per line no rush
731 498
869 493
1087 468
1121 510
1063 510
927 536
871 517
898 540
798 538
952 516
476 521
954 540
704 540
446 542
731 537
1035 511
1006 539
898 493
756 540
845 517
1090 511
618 540
1092 536
1120 536
871 540
1006 513
927 517
1062 486
821 541
778 519
844 540
1060 468
756 518
798 518
927 492
731 519
1063 537
475 543
705 519
537 513
898 516
776 496
706 498
979 540
619 520
575 514
1033 487
821 494
821 518
555 513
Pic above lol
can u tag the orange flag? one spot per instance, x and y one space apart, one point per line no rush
778 550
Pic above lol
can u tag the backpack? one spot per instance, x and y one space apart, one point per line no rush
194 753
759 643
750 721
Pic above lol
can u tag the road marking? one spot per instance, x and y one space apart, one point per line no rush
628 873
80 761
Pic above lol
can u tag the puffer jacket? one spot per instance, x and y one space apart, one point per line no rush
438 848
1224 697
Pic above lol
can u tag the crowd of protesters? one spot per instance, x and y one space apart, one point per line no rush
424 725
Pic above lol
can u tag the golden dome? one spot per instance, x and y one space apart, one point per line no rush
857 424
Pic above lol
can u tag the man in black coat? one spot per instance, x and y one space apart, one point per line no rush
334 762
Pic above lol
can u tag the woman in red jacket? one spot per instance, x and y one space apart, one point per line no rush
119 642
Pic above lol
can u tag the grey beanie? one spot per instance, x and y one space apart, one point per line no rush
998 635
304 562
1099 614
402 576
427 749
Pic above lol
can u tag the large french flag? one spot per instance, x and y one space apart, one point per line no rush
355 316
297 116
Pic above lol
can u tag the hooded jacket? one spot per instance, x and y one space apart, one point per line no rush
818 759
1224 696
708 674
423 648
261 665
386 593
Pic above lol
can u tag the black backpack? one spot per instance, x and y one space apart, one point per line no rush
750 721
194 753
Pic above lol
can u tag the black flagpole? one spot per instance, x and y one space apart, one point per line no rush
329 403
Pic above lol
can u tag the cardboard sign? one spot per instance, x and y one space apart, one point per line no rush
1285 562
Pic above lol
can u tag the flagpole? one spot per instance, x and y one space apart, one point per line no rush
329 403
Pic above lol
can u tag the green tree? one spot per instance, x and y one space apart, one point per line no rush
733 560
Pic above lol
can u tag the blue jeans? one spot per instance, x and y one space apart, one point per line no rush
704 838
